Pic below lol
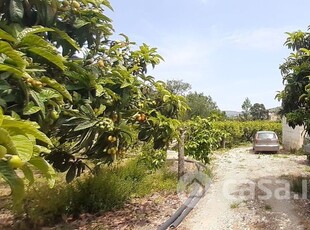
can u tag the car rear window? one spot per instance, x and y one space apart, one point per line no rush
266 136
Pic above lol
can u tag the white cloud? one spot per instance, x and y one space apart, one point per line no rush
201 62
204 1
185 54
261 38
186 58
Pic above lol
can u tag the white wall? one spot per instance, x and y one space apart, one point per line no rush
292 138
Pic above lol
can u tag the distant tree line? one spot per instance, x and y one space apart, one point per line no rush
200 104
204 106
257 111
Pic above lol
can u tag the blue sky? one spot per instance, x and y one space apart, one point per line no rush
228 49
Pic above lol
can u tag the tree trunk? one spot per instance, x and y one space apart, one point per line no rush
181 169
223 142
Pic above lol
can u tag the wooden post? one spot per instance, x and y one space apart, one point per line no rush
181 141
223 142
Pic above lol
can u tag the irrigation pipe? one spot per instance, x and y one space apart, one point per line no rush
197 163
179 212
186 207
180 218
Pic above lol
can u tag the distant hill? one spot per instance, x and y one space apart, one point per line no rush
275 110
230 113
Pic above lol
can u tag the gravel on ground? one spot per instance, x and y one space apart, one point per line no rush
254 191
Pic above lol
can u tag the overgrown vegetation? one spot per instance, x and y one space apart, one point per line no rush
65 110
110 188
236 132
92 105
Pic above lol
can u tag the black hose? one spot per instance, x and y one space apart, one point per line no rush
170 221
186 207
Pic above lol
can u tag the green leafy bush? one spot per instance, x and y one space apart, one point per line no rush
238 132
101 192
152 158
203 137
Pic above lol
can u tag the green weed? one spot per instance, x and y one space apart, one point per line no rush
267 207
234 205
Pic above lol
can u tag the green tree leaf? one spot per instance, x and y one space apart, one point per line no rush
39 100
6 140
31 109
71 174
45 168
67 38
37 149
49 56
55 85
11 69
28 31
26 127
23 146
28 173
16 184
16 10
7 49
1 116
85 125
6 36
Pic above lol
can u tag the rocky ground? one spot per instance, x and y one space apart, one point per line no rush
254 191
247 191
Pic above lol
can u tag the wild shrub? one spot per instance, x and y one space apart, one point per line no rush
108 189
45 205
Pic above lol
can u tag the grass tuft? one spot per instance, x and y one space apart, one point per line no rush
234 205
267 207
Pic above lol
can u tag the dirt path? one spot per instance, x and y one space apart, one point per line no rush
254 191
